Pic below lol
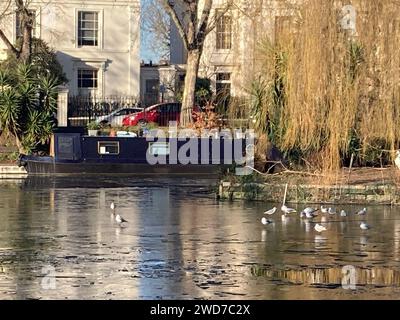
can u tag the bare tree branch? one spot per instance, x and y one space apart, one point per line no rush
205 15
169 7
8 44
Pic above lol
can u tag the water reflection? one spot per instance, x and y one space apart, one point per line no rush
330 276
180 243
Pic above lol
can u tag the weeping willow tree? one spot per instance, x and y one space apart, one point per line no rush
325 92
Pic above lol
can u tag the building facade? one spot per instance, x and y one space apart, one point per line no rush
229 56
96 41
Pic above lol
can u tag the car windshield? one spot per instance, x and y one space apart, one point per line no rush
152 108
171 107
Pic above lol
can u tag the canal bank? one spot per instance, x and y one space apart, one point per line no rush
8 171
358 186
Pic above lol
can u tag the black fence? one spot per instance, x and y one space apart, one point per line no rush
84 109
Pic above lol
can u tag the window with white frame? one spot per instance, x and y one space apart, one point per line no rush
223 30
87 78
88 28
19 23
108 147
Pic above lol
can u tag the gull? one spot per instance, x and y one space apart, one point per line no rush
284 208
364 226
331 211
310 210
343 213
324 209
119 219
397 159
362 212
310 215
112 206
319 228
265 221
271 211
287 210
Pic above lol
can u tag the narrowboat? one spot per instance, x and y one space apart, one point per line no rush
75 152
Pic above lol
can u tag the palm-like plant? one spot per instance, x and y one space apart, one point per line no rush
27 103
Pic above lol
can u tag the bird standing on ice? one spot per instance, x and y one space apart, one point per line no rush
309 213
364 226
112 206
397 159
265 221
362 212
271 211
287 210
319 228
119 219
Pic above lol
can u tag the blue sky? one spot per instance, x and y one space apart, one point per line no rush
146 53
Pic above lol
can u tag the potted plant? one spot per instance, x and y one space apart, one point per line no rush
93 128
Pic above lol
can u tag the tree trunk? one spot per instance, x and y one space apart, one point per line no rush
26 48
188 99
20 147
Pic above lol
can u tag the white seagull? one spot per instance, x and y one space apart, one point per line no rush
319 228
119 219
324 209
343 213
362 212
397 159
331 211
310 210
271 211
364 226
287 210
266 221
308 213
112 206
284 208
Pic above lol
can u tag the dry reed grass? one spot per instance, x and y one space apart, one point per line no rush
333 88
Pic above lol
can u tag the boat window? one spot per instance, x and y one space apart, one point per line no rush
159 148
65 148
108 147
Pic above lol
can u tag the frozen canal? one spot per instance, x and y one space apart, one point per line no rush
58 241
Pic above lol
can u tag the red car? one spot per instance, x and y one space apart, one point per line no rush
159 113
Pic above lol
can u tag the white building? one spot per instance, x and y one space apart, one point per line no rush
96 41
229 54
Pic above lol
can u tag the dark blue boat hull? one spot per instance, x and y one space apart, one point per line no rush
39 166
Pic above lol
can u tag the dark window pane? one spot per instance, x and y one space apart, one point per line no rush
87 78
88 28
